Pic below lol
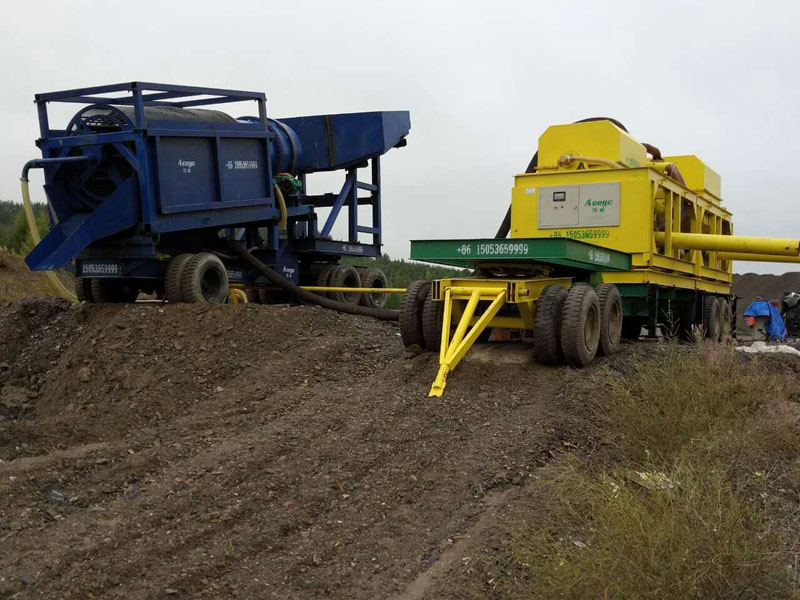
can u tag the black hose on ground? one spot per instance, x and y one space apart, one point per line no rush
305 295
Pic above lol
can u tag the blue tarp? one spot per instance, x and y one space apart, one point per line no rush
775 328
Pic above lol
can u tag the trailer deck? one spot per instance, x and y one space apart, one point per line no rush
564 252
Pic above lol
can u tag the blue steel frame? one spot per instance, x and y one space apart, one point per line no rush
56 143
348 196
113 219
154 217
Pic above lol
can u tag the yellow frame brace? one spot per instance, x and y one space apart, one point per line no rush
453 350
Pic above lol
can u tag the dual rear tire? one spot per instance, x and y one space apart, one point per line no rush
574 325
355 277
717 318
196 279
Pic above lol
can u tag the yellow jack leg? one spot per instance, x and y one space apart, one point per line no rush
452 351
437 389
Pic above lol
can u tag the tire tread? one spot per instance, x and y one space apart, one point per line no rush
172 282
547 326
411 313
571 325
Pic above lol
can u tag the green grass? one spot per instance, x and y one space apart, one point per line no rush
699 496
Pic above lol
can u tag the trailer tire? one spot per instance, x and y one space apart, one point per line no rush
172 282
204 280
580 325
346 276
610 318
547 325
114 291
712 321
373 277
411 308
83 289
323 278
432 315
726 318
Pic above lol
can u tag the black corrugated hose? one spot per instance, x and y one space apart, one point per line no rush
305 295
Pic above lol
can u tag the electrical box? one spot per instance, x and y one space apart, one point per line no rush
559 206
590 205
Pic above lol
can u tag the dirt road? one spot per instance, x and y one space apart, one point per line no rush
154 451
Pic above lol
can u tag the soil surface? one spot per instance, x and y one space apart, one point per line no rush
251 451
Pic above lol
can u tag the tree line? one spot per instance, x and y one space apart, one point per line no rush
14 234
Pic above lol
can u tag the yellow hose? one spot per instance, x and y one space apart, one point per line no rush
282 205
237 296
568 159
55 282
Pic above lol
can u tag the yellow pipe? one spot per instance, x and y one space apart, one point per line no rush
365 290
757 257
466 291
732 243
567 159
27 208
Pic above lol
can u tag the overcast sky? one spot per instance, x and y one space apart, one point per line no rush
482 81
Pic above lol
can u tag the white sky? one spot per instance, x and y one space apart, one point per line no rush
482 81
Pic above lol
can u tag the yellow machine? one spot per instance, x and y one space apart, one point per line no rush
596 183
648 233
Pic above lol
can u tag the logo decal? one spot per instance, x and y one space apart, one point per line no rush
186 165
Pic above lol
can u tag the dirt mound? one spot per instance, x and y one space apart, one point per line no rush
18 281
769 287
250 451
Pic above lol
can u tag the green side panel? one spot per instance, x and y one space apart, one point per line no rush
557 251
634 299
632 290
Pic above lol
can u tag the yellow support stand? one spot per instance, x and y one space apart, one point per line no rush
453 350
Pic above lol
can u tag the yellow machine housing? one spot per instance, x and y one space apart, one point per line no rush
596 183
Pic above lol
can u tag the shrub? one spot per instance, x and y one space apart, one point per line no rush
699 501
